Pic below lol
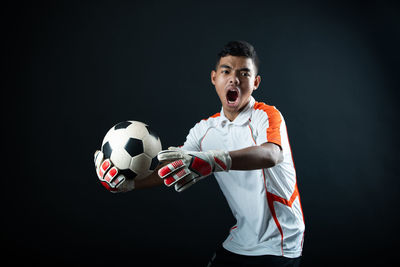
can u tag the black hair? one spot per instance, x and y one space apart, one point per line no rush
239 49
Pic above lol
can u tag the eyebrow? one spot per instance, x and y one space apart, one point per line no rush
229 67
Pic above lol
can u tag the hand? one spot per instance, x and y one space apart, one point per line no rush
188 167
108 174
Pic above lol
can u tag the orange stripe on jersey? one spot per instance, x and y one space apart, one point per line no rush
271 198
274 122
214 116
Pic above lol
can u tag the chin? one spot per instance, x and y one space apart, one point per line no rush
232 108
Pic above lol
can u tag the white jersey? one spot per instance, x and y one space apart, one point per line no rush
265 202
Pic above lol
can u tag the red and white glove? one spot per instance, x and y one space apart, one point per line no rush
188 167
108 174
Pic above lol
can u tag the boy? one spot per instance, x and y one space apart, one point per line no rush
247 149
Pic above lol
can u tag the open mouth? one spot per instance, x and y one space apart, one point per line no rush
232 95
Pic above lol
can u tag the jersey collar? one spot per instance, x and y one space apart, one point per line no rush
243 116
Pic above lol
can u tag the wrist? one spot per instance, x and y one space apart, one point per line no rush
222 160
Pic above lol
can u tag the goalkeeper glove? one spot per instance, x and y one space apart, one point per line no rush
109 175
188 167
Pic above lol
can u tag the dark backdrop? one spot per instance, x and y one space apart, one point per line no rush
75 68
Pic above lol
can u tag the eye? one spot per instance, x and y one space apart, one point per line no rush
225 71
245 74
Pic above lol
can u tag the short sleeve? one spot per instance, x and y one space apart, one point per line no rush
269 123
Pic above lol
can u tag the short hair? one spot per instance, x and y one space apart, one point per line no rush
239 49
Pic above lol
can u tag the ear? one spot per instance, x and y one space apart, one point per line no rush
257 82
213 76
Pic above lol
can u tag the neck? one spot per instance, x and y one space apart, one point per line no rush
231 115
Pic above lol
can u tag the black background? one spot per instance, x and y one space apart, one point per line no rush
75 68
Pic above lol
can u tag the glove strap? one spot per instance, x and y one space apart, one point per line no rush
222 160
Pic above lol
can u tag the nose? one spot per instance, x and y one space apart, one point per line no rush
234 78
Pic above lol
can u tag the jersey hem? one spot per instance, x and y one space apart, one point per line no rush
278 252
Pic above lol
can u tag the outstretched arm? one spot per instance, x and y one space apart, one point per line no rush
251 158
188 167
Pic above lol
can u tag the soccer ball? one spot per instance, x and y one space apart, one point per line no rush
132 147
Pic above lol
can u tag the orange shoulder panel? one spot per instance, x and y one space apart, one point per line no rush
274 122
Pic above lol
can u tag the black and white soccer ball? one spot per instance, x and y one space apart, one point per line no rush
132 147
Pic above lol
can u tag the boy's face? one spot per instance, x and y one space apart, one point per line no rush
235 80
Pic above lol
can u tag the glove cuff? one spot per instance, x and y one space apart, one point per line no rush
222 160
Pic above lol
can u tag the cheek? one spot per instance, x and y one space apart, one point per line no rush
219 81
219 86
248 85
220 93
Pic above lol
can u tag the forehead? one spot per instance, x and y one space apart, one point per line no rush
237 62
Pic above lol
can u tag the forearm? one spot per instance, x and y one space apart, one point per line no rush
256 157
150 181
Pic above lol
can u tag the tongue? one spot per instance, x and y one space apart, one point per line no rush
232 96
